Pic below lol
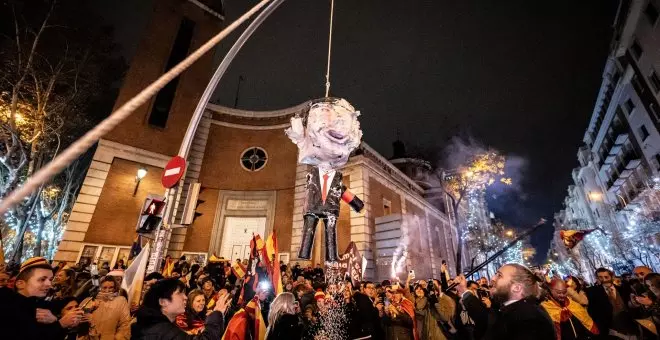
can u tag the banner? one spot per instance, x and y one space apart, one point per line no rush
134 276
351 264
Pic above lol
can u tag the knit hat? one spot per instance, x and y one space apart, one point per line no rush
319 296
34 262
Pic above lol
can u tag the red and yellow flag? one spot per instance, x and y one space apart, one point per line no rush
168 268
572 237
239 323
238 269
274 269
260 248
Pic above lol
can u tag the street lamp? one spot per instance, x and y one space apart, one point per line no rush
595 196
509 233
141 173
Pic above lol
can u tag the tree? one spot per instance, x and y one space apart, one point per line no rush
479 168
58 74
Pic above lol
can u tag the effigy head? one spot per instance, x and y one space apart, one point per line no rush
327 133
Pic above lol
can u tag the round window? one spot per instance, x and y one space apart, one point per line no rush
254 158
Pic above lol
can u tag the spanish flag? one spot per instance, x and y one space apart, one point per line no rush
246 324
258 245
559 314
572 237
239 270
274 268
168 267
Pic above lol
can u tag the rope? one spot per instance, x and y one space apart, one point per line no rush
80 146
327 72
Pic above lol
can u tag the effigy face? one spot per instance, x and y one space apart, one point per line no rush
328 135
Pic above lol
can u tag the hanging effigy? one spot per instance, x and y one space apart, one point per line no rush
325 135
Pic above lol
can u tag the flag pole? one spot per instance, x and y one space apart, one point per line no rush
501 251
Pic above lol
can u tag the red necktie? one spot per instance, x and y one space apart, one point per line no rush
325 187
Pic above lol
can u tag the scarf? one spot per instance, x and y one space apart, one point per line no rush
559 314
408 307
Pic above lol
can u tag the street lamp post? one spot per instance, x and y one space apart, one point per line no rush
141 173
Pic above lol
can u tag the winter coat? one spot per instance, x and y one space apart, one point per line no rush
111 320
287 327
18 318
427 320
369 317
400 327
521 320
153 325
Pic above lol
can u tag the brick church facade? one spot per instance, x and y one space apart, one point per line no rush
247 169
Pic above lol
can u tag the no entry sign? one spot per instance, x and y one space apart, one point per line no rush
173 171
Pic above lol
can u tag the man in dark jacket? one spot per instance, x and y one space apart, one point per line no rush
366 306
520 318
608 306
25 314
162 303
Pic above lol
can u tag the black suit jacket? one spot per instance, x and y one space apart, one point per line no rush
369 318
521 320
600 307
314 200
478 312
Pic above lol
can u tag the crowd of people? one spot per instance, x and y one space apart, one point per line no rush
185 300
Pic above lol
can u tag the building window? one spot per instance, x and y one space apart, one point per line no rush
651 13
630 106
643 132
636 50
655 81
160 110
387 207
597 213
657 160
254 159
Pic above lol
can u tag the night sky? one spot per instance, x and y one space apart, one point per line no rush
518 76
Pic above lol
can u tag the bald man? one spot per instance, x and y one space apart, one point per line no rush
571 320
641 272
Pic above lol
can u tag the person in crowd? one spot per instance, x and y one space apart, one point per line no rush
399 318
192 320
575 290
609 307
65 306
25 314
640 272
476 306
304 295
284 323
110 314
425 315
350 310
119 265
571 319
162 303
515 288
366 303
483 283
4 279
64 283
652 281
208 288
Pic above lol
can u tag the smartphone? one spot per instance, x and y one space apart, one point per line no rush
411 274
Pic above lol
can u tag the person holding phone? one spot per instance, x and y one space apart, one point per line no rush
107 314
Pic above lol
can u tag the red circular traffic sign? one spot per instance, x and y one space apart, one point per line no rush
173 172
